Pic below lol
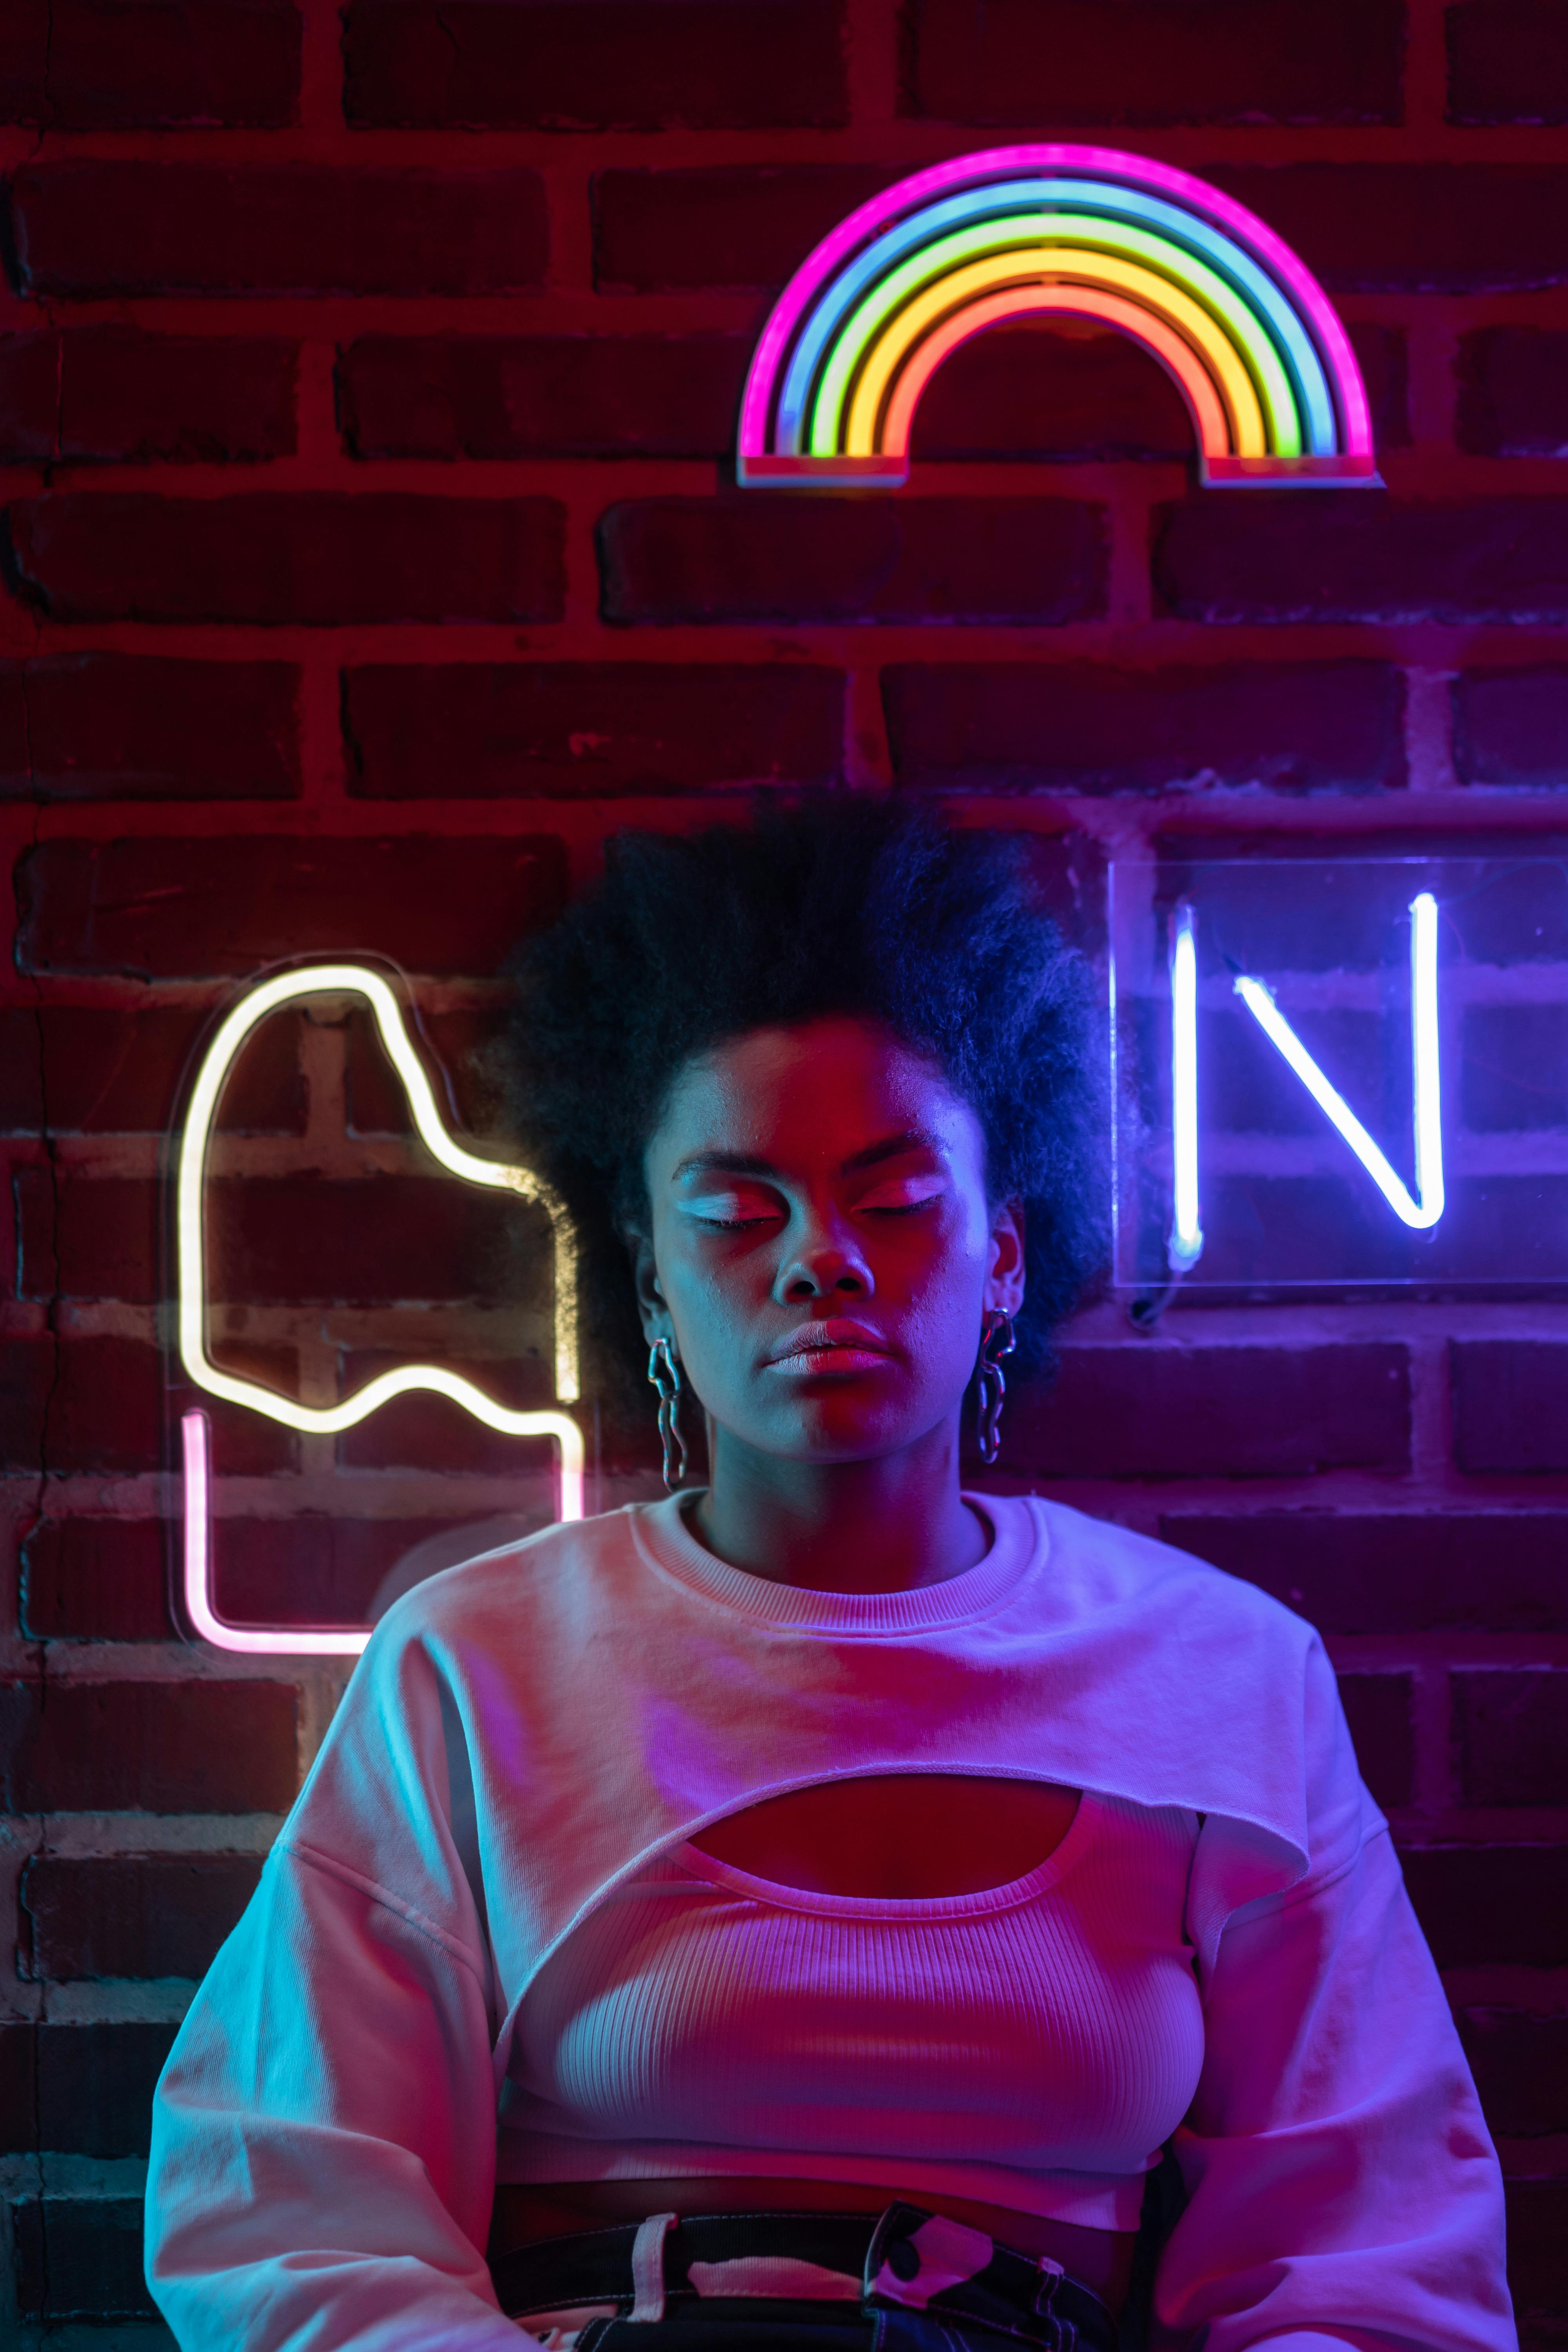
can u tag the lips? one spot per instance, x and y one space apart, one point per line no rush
836 1345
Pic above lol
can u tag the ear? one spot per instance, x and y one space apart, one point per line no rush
1004 1283
651 1306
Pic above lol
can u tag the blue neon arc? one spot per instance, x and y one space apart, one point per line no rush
1209 243
1421 1210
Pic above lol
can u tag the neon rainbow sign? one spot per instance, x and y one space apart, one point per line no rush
1250 338
190 1217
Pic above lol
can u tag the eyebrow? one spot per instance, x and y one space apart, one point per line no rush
745 1163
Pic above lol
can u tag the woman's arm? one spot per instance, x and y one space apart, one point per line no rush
324 2133
1343 2187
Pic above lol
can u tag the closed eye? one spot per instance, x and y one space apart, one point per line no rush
903 1196
732 1211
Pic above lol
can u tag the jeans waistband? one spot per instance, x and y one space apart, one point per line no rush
905 2259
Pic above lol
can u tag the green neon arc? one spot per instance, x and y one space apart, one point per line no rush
1041 231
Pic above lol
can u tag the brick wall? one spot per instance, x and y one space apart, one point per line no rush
366 385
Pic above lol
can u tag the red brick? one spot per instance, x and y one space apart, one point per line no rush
1481 1903
27 1376
541 395
18 2089
1051 391
33 1200
316 1570
1510 725
277 1238
583 728
124 1072
1019 726
29 397
166 908
463 1047
1510 1732
157 1747
84 227
1513 392
1508 61
1520 2067
81 2258
1148 61
109 392
21 1071
1510 1404
95 2086
432 1434
741 225
1537 2233
756 558
106 1408
96 1580
117 726
1377 1709
1351 555
1414 228
89 1237
106 65
403 1237
1384 358
1149 1410
1395 1573
593 65
314 557
146 1915
245 1445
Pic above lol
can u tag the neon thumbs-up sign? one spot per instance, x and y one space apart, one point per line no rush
361 982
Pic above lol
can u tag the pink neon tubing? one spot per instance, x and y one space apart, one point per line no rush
196 1565
1203 401
1137 170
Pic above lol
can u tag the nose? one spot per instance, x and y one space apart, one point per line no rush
825 1259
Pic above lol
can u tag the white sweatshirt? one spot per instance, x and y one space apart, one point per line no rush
525 1733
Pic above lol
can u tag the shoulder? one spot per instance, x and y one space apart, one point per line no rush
1095 1569
561 1565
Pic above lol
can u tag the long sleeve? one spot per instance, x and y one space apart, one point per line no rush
1342 2184
323 2142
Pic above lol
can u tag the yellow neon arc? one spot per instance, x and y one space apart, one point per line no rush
1064 264
359 980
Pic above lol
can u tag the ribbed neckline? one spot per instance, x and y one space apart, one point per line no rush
1018 1540
777 1896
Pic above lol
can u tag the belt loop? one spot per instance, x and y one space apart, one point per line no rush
648 2266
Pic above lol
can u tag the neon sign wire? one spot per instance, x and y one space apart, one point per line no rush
284 988
1421 1210
1187 1242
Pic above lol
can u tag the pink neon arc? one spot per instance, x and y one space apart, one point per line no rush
1110 163
196 1588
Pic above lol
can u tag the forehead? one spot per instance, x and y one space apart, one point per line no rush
816 1092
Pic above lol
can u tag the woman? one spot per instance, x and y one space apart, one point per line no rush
799 1912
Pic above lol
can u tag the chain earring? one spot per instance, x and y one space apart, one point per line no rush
664 1371
996 1340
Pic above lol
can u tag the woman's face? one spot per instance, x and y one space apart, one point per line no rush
822 1249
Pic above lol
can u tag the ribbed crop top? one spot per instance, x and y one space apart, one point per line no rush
1031 2045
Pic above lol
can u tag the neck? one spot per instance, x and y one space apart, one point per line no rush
883 1525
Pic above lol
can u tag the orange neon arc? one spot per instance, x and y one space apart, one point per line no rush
1067 301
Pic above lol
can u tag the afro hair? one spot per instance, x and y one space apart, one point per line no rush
830 907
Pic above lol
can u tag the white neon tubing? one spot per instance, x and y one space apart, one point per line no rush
1423 1211
1187 1242
357 980
296 1641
